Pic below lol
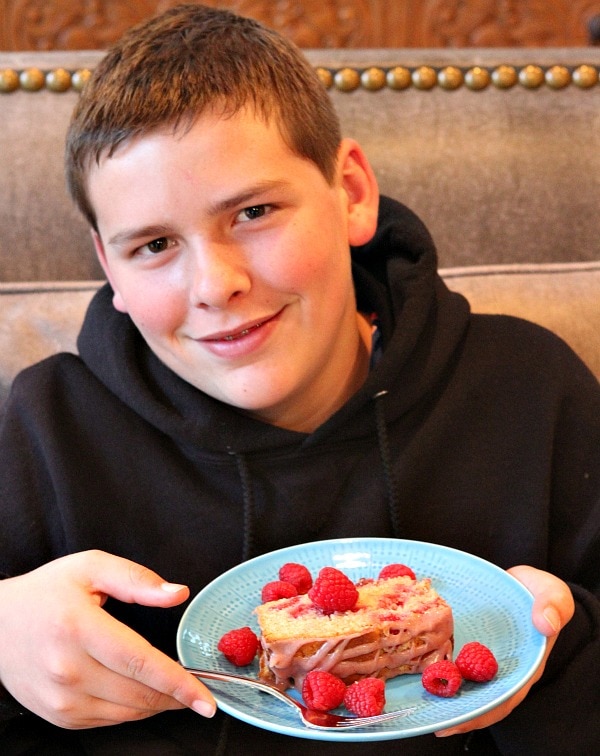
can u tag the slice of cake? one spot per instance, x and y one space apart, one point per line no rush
398 626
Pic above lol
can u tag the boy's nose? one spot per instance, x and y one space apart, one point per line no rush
219 274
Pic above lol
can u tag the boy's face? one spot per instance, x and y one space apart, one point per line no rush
231 255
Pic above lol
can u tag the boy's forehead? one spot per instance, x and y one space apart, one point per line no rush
225 159
200 125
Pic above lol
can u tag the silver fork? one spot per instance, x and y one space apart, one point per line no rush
319 720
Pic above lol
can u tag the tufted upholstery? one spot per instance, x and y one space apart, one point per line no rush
497 150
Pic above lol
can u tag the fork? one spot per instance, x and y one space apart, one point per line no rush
319 720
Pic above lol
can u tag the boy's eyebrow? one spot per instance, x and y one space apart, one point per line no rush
252 193
155 231
125 237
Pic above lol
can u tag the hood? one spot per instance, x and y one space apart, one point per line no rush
395 276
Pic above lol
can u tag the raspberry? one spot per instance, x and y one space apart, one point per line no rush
239 646
298 575
322 690
476 662
442 678
365 697
277 589
396 570
333 591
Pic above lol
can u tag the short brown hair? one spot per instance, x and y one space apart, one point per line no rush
170 69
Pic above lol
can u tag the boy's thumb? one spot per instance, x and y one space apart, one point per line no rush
133 583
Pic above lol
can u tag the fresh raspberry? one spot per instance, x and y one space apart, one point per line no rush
396 570
322 690
442 678
298 575
476 662
365 697
277 589
333 591
239 646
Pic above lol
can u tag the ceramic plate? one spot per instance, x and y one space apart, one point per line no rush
488 604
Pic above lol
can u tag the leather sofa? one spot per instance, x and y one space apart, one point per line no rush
498 150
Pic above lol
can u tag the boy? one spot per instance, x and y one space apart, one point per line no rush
245 383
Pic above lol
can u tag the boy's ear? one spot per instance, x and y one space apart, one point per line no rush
361 192
118 302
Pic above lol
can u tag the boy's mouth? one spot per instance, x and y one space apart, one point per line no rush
240 334
245 331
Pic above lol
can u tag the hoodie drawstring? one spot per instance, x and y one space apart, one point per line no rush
243 472
393 498
386 461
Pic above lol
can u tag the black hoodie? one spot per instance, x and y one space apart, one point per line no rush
477 432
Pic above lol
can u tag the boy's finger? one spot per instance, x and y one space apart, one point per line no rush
553 604
126 653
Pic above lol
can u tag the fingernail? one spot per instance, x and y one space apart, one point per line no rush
204 708
552 618
172 587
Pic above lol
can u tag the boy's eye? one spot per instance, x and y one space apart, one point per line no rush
251 213
158 245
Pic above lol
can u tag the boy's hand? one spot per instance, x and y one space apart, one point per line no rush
67 660
553 607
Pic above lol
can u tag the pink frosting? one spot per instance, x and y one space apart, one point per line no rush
407 642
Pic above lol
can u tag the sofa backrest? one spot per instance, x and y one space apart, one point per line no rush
497 150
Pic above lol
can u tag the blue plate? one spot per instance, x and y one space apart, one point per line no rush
489 606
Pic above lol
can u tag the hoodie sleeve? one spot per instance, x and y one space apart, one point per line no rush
15 469
30 524
561 714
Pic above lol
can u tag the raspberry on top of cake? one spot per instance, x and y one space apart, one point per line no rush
397 626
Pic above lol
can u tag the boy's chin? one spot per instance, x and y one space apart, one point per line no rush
260 400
